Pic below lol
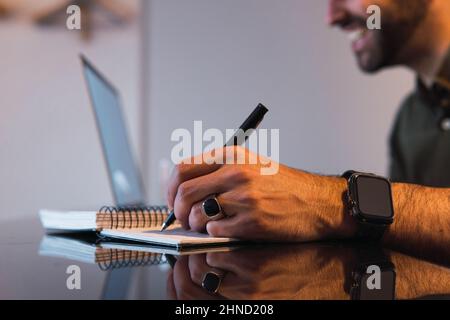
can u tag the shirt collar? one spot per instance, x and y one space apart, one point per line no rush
443 76
438 93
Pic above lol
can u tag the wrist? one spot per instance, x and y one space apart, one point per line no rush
347 226
342 225
400 194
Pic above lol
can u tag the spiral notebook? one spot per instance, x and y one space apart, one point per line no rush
140 224
86 250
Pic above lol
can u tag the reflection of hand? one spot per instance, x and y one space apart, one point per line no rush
180 285
288 272
295 272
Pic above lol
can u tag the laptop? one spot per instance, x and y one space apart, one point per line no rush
124 176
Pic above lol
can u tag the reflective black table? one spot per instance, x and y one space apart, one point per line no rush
34 265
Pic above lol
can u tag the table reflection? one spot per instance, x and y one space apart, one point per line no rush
337 271
306 272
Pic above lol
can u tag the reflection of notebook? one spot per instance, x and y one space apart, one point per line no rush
135 224
85 249
109 254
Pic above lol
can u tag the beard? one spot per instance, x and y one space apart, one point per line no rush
387 46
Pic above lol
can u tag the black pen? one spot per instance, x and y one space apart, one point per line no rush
251 123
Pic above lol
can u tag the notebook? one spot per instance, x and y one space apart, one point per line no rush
132 224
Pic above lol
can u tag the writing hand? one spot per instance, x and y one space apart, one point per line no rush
290 205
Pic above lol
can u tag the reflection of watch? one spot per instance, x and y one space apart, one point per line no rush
364 280
369 201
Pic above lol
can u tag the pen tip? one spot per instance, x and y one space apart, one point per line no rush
164 226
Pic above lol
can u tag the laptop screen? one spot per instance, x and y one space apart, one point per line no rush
124 176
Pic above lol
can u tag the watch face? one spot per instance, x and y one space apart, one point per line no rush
374 197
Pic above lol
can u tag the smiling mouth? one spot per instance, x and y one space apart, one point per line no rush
356 35
358 38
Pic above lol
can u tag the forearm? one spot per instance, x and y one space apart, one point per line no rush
422 221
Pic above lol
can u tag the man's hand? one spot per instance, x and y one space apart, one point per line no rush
290 205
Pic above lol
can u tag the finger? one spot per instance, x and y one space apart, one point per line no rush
181 279
198 268
197 220
230 261
226 228
230 282
171 292
185 288
242 220
199 166
232 286
239 280
184 172
200 188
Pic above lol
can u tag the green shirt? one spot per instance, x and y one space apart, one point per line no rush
420 139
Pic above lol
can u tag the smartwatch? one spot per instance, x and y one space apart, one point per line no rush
369 202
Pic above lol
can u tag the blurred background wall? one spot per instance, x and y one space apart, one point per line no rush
209 60
214 60
50 154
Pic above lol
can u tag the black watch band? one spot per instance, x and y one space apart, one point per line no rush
370 232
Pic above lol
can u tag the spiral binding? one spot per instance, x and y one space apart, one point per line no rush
139 216
127 261
145 216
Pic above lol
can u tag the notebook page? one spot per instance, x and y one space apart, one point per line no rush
145 247
176 237
68 220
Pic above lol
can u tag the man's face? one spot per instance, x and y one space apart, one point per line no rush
375 49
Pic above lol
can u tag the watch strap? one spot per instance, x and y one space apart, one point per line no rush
370 232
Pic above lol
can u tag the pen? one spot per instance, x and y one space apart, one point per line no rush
251 123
